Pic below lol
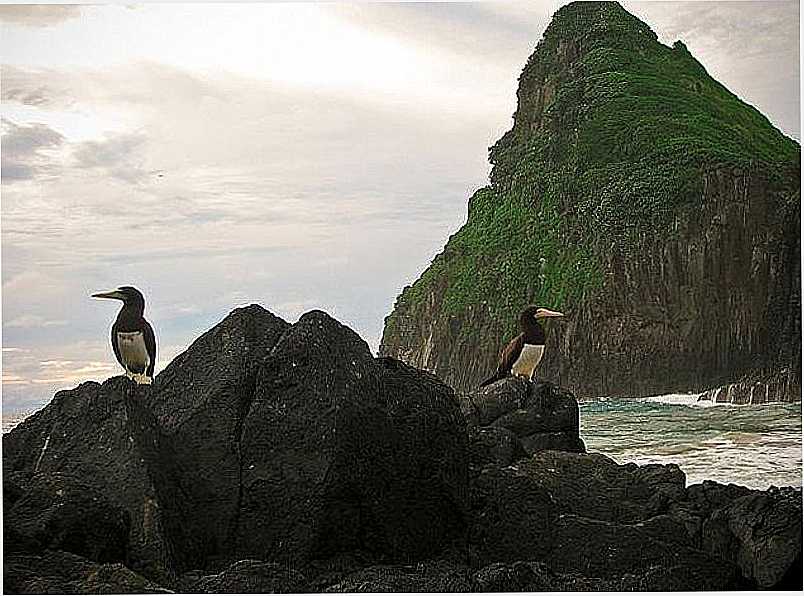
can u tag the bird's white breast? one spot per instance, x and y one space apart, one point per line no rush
528 360
133 351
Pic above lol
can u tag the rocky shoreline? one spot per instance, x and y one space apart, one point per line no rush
272 457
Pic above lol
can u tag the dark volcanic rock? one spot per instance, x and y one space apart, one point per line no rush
341 452
53 572
189 426
761 532
494 445
595 486
595 548
514 517
421 476
316 405
534 576
541 415
286 443
556 441
60 513
707 496
252 577
337 471
514 577
430 576
83 435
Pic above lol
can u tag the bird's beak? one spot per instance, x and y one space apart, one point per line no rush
114 295
544 313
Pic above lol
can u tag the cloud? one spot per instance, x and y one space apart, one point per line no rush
38 15
39 88
26 149
119 156
34 321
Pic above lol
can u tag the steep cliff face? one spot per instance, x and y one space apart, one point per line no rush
642 198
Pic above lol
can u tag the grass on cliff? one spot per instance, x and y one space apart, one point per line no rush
623 144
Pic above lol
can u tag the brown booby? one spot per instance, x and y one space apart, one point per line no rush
523 353
133 338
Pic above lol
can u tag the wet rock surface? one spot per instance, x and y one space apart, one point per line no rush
338 471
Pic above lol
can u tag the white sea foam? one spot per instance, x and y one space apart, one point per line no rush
753 445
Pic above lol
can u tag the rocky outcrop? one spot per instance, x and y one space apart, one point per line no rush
263 440
319 448
755 389
58 572
338 472
81 444
251 577
761 532
188 426
515 416
59 512
670 239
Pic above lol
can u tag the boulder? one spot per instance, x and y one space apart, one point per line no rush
494 445
513 517
83 435
60 513
342 452
608 550
540 414
535 576
55 572
428 576
188 427
420 474
519 576
252 577
760 532
288 443
595 486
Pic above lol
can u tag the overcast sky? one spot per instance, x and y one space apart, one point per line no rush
296 155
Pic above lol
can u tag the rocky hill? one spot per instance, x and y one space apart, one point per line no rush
639 196
272 457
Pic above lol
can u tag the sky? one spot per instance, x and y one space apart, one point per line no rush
297 155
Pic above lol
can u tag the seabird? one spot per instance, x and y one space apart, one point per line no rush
133 338
523 353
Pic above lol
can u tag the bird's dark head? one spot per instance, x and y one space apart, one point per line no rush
130 296
532 313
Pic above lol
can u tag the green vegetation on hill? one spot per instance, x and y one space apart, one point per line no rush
620 141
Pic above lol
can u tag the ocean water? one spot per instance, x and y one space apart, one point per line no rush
756 446
753 445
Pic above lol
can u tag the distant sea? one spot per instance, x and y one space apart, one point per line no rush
753 445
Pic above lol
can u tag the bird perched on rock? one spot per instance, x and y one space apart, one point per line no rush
523 353
133 338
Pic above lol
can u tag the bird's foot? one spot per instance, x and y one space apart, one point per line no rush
142 379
